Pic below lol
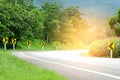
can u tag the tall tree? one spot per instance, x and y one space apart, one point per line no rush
51 22
73 27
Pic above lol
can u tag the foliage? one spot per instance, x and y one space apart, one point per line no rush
73 27
22 20
51 22
114 23
100 48
19 22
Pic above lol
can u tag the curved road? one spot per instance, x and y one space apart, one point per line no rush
73 66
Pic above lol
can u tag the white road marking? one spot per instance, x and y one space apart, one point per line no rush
82 69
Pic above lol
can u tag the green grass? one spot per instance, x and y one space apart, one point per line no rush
12 68
35 45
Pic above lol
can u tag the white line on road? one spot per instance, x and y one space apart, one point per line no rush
82 69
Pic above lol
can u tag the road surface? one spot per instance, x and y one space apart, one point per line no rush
73 66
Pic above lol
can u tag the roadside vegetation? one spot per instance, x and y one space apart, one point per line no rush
57 27
11 68
50 23
100 48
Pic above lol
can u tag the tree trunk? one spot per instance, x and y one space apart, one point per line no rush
47 39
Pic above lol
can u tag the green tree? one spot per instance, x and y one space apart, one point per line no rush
37 18
4 20
15 2
17 21
114 23
51 21
73 27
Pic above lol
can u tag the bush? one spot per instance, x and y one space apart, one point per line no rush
100 48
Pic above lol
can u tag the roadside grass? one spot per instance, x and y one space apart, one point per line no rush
11 68
34 46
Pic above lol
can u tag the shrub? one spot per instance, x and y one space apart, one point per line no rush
58 45
100 48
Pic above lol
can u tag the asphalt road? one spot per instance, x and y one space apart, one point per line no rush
73 66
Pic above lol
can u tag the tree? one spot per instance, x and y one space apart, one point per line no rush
51 22
73 27
16 21
15 2
4 20
37 18
114 23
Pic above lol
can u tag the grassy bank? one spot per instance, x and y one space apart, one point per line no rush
11 68
36 45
